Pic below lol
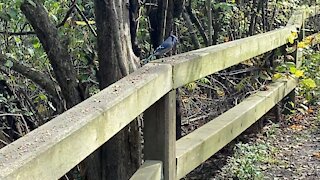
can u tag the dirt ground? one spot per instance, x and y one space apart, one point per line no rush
295 146
299 144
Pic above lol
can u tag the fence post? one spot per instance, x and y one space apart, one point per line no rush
289 101
160 134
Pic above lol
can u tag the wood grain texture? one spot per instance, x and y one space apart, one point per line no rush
150 170
301 14
54 148
201 144
194 65
160 134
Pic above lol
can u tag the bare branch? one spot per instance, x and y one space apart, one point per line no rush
86 20
56 49
36 76
67 14
18 33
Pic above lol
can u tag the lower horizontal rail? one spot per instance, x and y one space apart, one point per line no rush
201 144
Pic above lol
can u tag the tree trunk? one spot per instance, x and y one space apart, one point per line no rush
209 13
158 17
56 49
193 36
169 19
121 155
134 15
197 23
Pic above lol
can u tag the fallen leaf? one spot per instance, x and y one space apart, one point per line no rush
316 155
310 110
296 127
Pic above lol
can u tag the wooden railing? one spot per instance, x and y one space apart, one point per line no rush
54 148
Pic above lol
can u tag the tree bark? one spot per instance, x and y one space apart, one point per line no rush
197 23
178 6
256 7
158 17
56 50
194 39
134 7
120 157
209 13
169 19
116 58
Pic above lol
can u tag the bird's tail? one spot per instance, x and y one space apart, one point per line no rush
145 61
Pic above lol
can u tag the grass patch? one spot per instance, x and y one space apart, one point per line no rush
249 160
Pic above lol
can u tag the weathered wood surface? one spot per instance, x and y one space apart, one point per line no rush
299 16
54 148
199 145
160 134
150 170
194 65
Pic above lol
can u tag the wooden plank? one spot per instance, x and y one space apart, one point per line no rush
297 18
301 14
299 58
160 134
199 145
196 64
54 148
312 11
150 170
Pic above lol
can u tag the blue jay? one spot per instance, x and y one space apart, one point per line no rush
165 47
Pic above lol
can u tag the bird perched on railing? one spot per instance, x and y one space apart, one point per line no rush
165 47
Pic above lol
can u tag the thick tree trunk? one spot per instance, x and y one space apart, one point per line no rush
56 50
120 156
158 17
116 58
169 19
134 15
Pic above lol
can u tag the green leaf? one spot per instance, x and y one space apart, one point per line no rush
83 23
36 44
13 14
310 83
54 17
8 64
293 70
17 40
30 51
4 16
281 68
290 64
43 97
292 37
298 73
191 86
277 76
32 87
28 113
205 81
